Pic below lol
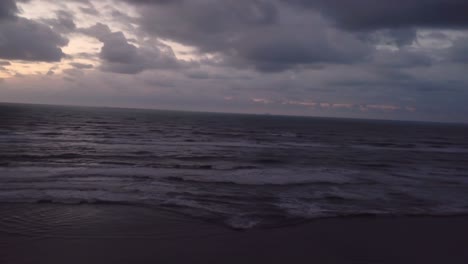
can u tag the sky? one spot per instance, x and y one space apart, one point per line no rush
404 60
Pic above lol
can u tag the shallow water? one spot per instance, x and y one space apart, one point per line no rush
240 170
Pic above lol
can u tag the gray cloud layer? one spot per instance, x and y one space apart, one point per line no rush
8 9
459 51
280 35
251 33
408 56
119 56
378 14
24 39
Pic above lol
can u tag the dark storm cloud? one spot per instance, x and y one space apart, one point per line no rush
81 65
284 55
279 49
396 36
382 14
210 25
8 9
23 39
277 35
253 34
64 23
403 58
459 51
119 56
366 14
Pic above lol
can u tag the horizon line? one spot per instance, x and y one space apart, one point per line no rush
239 113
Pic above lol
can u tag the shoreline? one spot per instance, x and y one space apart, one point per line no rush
49 233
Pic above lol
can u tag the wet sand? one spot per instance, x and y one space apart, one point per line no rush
53 234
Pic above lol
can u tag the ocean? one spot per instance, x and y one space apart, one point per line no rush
242 171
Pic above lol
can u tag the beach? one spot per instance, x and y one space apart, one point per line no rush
94 185
48 233
204 131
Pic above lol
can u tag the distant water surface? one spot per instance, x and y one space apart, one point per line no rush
239 170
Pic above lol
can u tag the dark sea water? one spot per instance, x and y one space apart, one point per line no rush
239 170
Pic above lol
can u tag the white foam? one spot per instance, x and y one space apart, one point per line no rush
243 222
296 207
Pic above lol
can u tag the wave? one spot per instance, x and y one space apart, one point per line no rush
50 134
250 183
269 161
242 221
411 147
